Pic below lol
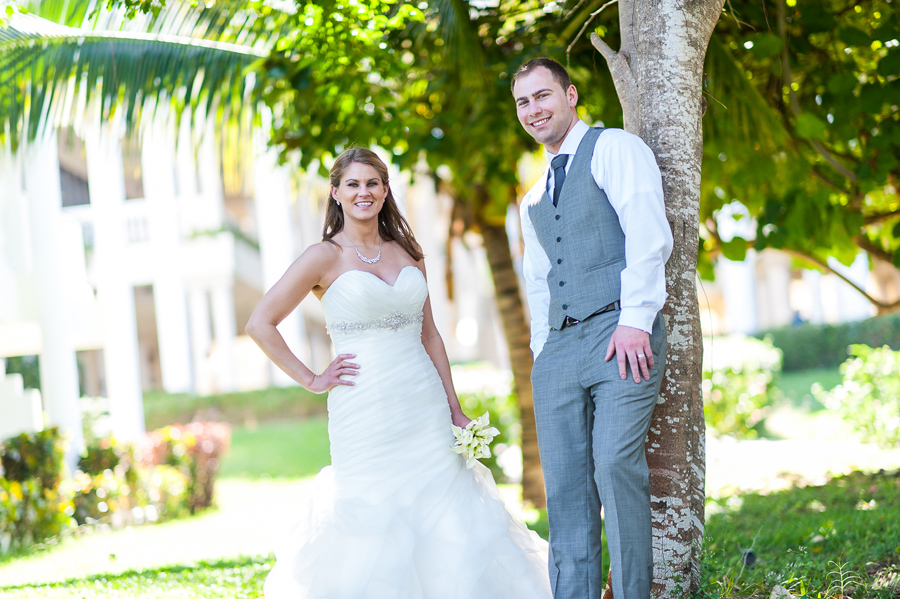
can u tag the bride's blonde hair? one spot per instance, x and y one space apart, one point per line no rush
391 224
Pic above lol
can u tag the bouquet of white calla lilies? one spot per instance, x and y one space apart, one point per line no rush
474 440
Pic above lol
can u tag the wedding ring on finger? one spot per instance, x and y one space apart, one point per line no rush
641 356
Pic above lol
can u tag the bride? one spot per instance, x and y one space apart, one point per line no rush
397 515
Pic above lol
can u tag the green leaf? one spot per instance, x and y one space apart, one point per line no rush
841 83
853 36
809 126
890 64
873 97
815 19
766 45
735 250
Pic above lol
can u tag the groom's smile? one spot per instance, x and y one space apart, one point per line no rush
545 110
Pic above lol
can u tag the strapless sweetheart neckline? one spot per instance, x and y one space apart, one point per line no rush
394 284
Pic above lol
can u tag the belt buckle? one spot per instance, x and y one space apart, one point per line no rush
569 321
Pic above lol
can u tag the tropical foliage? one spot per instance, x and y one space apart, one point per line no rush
59 60
738 376
803 129
869 397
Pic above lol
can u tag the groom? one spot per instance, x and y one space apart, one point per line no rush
596 245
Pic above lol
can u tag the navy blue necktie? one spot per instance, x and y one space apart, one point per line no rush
559 175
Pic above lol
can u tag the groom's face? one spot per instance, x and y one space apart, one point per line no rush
545 110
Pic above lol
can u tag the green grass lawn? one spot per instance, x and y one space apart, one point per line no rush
812 540
244 407
795 386
240 578
817 541
807 539
280 448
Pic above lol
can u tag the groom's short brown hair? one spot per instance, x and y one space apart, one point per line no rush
559 72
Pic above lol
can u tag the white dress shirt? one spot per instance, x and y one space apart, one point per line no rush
625 168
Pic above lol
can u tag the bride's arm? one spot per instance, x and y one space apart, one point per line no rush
434 345
305 273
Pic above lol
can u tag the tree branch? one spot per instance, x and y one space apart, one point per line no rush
866 244
873 219
882 306
626 84
585 26
826 180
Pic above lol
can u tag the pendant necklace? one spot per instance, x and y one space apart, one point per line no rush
363 258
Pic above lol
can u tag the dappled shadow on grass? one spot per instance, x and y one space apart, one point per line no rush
241 578
808 539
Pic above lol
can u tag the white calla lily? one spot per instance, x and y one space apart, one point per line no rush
473 441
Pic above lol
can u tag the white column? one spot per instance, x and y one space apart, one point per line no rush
271 189
169 290
851 304
114 290
815 311
773 270
201 338
429 220
59 371
738 283
211 198
224 333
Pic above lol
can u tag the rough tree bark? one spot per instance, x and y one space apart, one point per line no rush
658 74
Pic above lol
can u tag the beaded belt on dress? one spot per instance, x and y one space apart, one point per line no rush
392 322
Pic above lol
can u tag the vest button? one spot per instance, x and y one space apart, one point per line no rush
557 217
559 260
561 283
565 306
558 239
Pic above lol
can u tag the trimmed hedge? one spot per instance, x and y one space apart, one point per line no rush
826 345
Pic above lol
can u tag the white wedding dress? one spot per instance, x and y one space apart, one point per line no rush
397 515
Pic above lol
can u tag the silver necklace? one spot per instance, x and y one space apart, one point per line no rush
363 258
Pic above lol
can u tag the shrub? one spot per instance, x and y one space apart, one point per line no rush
483 388
110 487
737 383
826 345
32 507
869 397
195 449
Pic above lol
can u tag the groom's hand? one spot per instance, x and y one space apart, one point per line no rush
633 345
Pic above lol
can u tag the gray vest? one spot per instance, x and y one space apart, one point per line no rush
583 239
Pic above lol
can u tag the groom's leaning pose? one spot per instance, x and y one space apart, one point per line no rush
596 244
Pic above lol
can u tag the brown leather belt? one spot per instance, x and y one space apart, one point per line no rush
569 321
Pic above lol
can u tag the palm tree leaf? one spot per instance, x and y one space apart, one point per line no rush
40 60
737 114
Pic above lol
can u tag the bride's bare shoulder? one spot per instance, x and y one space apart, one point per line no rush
323 253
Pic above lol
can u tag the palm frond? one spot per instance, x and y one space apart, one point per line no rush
737 115
462 44
44 66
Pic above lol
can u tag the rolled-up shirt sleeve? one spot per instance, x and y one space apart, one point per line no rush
535 268
625 168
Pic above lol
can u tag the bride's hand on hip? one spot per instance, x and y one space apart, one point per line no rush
332 376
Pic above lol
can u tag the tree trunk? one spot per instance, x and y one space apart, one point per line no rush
664 43
518 335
